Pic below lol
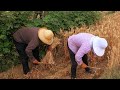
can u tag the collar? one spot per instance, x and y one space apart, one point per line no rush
91 41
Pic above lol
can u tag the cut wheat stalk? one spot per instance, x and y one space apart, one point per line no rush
48 58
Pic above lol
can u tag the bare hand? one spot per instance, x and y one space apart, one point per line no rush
50 48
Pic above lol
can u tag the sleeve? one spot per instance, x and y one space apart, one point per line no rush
31 46
84 49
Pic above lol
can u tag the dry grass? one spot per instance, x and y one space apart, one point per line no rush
113 52
48 58
107 28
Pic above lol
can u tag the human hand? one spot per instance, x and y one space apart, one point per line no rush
83 65
36 62
50 48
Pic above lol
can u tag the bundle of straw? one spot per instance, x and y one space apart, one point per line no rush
48 58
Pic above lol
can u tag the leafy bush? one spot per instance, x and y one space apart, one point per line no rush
56 20
69 19
10 21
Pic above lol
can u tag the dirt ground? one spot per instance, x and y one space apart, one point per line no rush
59 70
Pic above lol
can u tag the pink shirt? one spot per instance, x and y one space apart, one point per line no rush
80 45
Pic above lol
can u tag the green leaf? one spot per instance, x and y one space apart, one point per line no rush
2 37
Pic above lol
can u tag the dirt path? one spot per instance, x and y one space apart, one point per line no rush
61 69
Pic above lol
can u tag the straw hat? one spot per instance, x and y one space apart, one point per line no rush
46 35
99 45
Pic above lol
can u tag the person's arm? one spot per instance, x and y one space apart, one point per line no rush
80 53
31 46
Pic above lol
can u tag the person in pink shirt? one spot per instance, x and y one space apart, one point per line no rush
80 45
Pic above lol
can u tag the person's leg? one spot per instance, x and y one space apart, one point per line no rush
36 53
74 64
20 47
85 60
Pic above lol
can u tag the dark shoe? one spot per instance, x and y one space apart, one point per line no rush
73 78
27 76
88 70
26 71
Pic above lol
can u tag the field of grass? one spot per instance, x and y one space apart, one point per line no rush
107 28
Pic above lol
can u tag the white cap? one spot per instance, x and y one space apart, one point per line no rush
99 45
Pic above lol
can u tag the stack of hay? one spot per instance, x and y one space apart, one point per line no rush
49 59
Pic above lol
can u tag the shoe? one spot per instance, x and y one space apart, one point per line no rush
35 62
73 78
27 76
88 70
26 70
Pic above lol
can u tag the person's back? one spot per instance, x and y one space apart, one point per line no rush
75 41
26 34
